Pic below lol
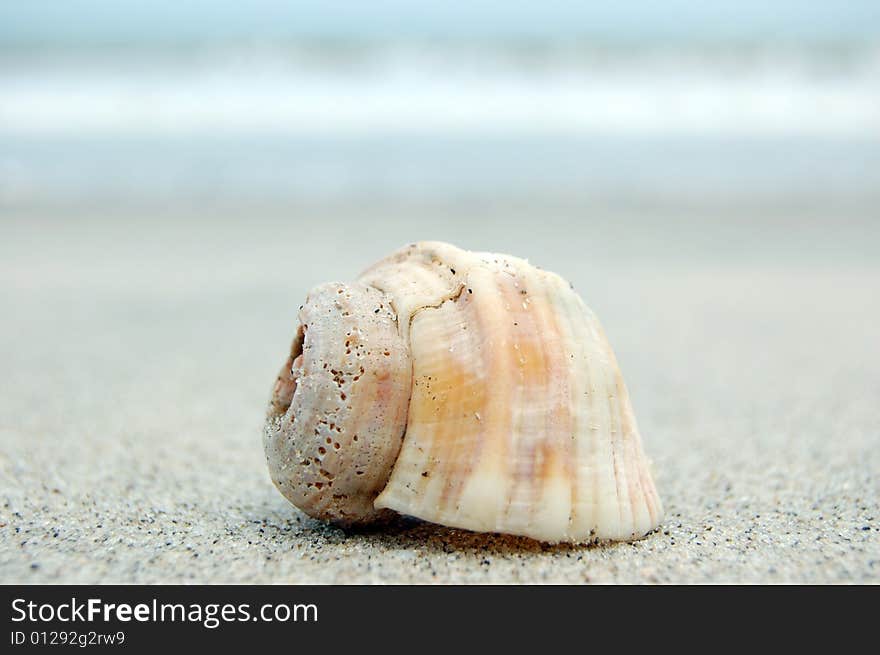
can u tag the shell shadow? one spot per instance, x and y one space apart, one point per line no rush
406 533
400 532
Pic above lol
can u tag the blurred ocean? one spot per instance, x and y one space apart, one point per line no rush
347 119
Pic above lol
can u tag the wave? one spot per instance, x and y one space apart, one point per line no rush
353 89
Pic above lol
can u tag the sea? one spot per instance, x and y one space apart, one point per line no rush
279 119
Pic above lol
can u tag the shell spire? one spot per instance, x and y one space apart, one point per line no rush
512 417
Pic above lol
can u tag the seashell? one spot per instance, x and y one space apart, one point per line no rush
468 389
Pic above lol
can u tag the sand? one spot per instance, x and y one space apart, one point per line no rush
138 350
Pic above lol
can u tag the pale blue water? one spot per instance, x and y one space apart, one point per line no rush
241 171
89 21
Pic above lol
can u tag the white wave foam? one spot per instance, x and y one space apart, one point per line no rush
400 93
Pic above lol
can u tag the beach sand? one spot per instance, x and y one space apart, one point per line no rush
138 350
